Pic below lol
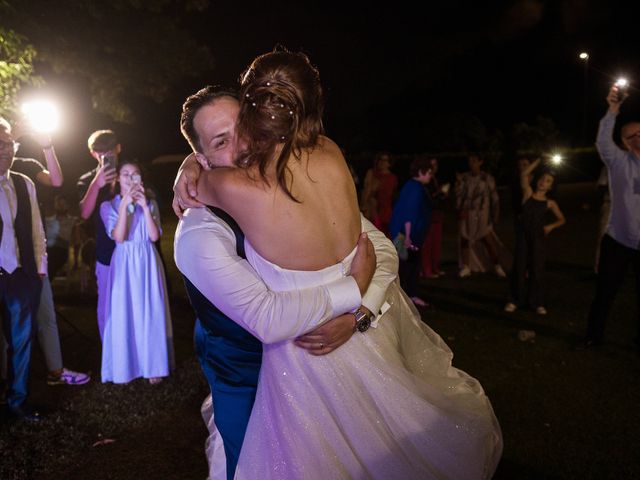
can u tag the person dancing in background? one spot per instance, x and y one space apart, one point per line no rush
378 192
433 243
409 224
138 339
531 233
478 209
408 413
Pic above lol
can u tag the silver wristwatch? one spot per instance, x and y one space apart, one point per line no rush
363 320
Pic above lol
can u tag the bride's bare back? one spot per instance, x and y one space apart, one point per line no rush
318 231
293 194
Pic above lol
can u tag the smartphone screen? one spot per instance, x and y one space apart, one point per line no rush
621 84
109 161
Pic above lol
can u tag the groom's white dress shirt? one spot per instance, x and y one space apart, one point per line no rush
205 252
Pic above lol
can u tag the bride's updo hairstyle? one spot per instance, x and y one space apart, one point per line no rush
280 104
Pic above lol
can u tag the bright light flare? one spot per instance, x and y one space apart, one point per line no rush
622 82
43 115
583 56
556 159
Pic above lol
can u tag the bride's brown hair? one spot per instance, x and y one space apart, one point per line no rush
280 103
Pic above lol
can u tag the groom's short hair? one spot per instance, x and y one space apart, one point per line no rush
195 102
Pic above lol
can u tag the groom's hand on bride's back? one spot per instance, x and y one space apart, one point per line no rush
328 337
336 332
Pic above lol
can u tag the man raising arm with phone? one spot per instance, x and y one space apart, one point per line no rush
94 187
620 243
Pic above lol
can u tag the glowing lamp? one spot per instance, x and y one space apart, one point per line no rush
43 116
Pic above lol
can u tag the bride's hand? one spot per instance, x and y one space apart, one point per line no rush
329 336
185 186
364 263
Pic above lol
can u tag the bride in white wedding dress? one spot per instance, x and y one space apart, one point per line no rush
386 405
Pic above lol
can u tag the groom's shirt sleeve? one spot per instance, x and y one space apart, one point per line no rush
205 252
386 270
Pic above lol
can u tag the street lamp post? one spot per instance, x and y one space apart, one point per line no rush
584 57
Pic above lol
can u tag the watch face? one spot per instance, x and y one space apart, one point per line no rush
364 324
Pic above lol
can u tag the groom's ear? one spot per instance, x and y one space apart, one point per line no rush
202 160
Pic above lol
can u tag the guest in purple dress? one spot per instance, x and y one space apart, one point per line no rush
138 335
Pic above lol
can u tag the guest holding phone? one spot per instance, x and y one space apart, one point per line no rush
94 187
138 334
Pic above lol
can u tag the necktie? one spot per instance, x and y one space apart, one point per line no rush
8 249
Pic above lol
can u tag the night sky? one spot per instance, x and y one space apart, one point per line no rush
386 69
389 71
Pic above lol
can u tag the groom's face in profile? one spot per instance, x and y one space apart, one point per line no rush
215 124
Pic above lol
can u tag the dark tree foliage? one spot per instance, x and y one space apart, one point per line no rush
16 68
120 48
535 138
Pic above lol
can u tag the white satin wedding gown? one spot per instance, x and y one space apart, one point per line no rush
386 405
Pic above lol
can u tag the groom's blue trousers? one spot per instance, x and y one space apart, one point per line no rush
230 358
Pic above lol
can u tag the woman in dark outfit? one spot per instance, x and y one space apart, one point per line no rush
531 230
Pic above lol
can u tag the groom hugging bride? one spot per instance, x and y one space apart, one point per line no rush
279 268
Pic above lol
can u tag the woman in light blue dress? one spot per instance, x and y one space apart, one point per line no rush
138 339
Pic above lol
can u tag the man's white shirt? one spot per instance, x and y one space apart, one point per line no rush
9 251
205 252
